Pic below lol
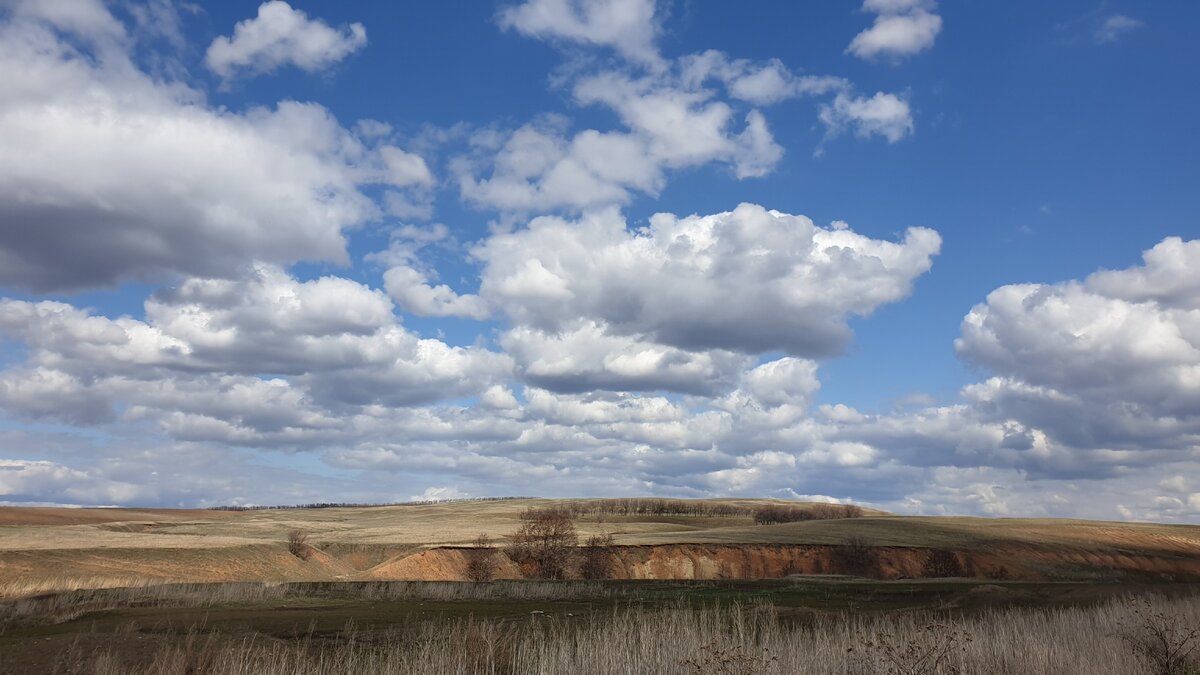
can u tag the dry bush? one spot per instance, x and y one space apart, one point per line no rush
481 560
597 557
297 543
771 514
933 649
1169 644
856 556
720 657
544 546
941 564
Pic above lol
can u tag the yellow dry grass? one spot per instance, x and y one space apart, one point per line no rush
58 548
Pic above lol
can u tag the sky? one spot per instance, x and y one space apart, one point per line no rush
926 257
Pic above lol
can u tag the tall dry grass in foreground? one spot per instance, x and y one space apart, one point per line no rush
738 640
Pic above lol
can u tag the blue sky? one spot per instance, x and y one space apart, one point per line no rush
372 251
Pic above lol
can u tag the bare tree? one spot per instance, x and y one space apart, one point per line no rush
856 556
598 557
481 559
941 563
297 544
544 546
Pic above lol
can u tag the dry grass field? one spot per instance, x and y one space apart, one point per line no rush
45 549
380 589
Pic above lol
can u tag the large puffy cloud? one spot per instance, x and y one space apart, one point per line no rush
628 26
278 36
304 348
107 174
748 280
1112 361
1093 379
901 28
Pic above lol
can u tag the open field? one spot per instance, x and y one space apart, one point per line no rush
54 549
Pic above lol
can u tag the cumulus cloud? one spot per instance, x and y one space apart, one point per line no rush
48 481
107 174
1110 362
667 126
748 280
1093 380
281 35
586 356
670 117
628 26
217 357
901 28
885 115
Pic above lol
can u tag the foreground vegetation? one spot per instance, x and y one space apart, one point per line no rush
853 627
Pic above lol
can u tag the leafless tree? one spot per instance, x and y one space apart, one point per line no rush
598 557
544 546
481 559
297 544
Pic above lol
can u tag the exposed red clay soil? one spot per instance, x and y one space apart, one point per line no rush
770 561
272 562
439 564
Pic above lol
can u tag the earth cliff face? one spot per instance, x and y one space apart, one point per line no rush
748 561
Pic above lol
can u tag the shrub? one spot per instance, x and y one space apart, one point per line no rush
721 657
856 556
934 648
544 546
297 543
598 557
941 563
1162 640
481 560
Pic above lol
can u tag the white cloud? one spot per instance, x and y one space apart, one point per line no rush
109 175
279 36
1114 27
586 357
901 28
628 26
439 494
411 288
885 115
759 84
540 167
670 120
748 280
49 481
326 343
